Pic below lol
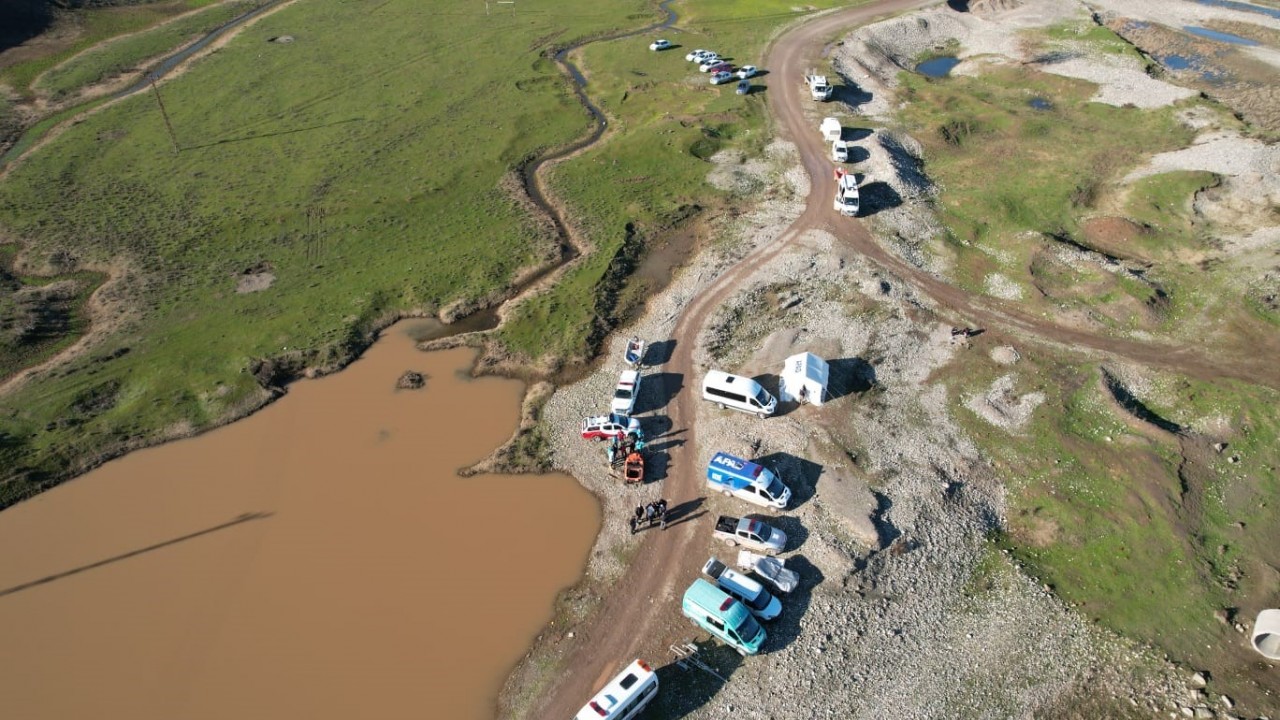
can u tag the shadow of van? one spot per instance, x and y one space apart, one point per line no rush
797 473
685 690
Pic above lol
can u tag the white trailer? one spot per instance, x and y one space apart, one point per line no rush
831 130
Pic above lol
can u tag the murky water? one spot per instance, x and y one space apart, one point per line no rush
319 559
1219 35
937 67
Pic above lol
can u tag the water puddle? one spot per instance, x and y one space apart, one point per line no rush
1039 103
318 559
937 67
1242 6
1219 36
1175 62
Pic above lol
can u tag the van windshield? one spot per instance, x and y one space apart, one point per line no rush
776 489
749 630
762 398
760 601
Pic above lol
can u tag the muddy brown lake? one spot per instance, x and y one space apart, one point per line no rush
318 559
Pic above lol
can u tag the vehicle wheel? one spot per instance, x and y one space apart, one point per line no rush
721 405
762 415
741 652
731 542
728 494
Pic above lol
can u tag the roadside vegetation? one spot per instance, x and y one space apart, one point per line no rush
648 177
354 173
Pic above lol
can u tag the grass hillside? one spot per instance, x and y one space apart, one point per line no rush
359 166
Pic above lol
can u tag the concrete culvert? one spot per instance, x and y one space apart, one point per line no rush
1266 634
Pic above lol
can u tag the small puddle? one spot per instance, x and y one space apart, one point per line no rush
317 559
1219 36
1243 6
1039 103
1175 62
938 67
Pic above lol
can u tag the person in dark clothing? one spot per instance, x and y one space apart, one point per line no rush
632 522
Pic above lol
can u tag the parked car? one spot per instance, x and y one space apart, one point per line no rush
745 590
601 427
846 201
624 395
697 55
749 532
625 696
659 44
770 569
744 87
713 610
754 483
721 77
711 63
738 393
722 67
747 71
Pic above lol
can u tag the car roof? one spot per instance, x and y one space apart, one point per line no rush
628 376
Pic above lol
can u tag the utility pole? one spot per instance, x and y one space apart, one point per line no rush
163 113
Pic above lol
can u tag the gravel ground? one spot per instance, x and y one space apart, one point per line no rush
564 411
905 611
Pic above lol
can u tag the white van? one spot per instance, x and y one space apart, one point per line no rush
625 695
737 393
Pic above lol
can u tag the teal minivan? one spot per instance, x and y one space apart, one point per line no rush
711 609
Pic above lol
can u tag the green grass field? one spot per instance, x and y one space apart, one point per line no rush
1020 186
359 164
101 63
666 119
91 26
1109 515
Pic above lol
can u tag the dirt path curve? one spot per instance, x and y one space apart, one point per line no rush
640 615
788 100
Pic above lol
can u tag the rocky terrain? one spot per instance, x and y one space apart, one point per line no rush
906 609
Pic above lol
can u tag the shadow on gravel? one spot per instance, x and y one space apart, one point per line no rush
877 197
849 375
851 95
659 353
685 687
855 134
888 532
655 465
656 426
796 473
796 532
658 390
786 628
858 154
685 511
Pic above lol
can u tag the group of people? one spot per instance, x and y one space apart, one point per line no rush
649 514
619 448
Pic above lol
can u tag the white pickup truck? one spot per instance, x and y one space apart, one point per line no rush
819 88
751 533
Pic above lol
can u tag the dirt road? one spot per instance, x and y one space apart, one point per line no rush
640 615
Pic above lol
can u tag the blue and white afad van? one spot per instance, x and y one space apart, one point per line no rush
747 480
